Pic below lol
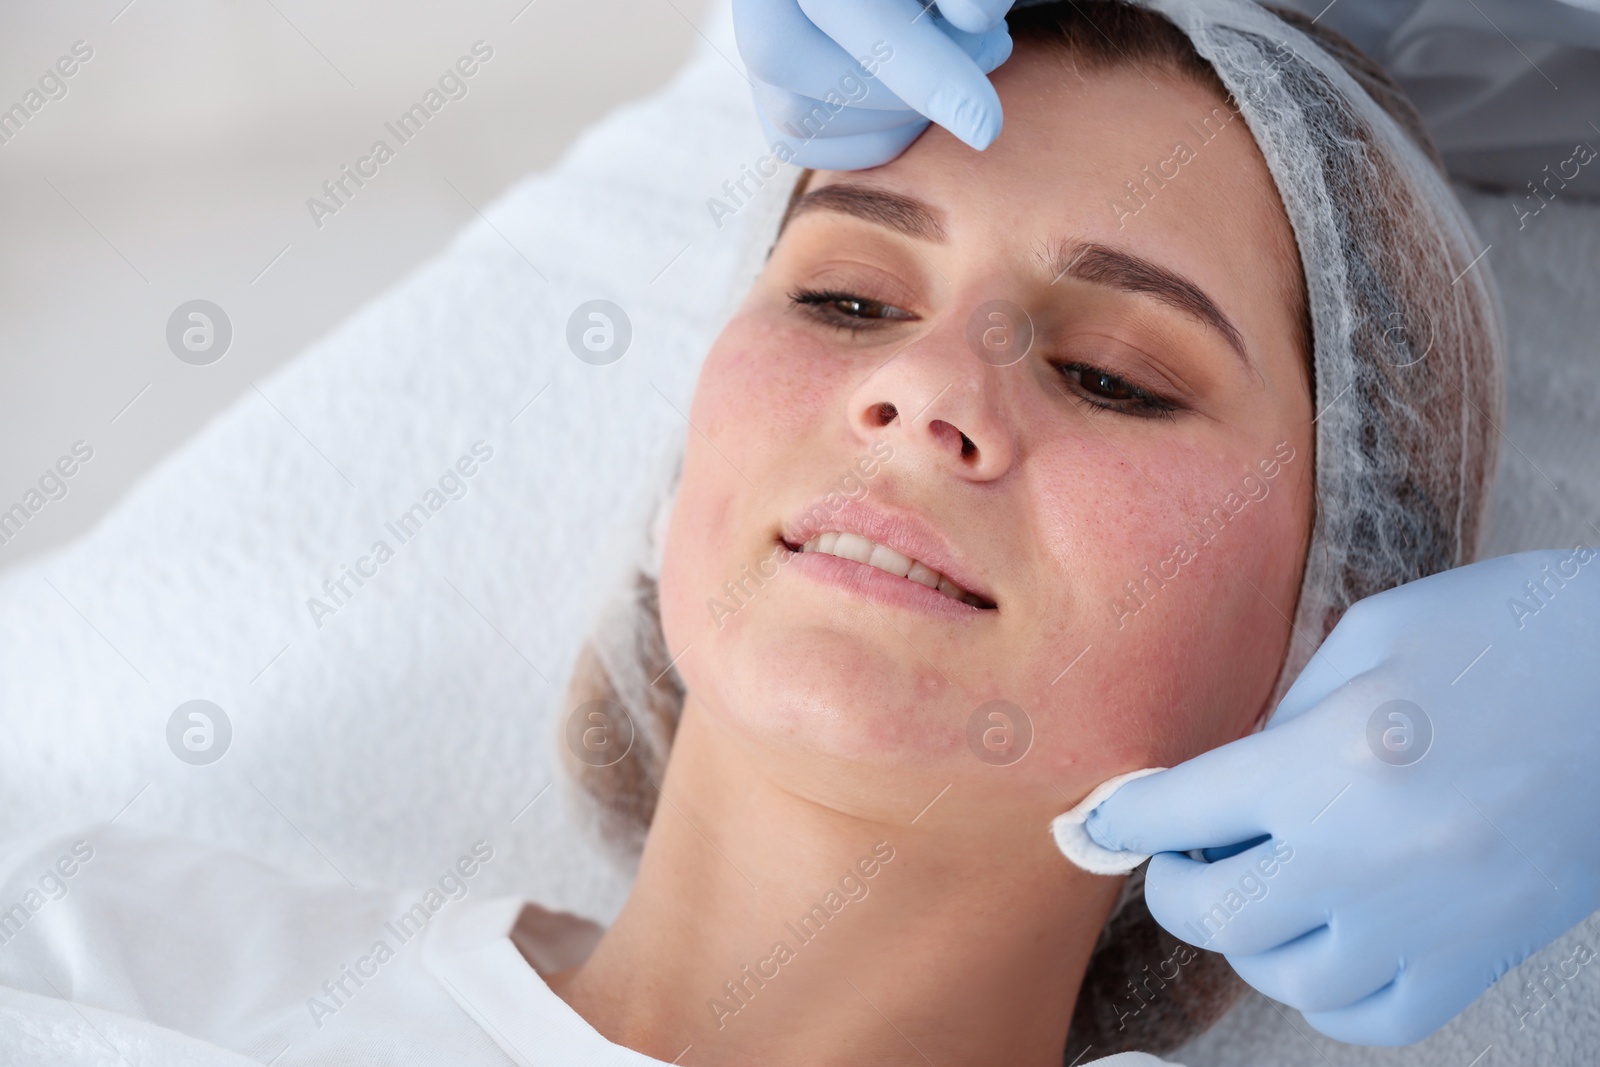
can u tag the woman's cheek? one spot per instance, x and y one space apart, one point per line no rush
767 376
764 390
1117 510
1169 555
694 544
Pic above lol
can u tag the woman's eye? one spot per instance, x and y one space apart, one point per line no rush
1104 390
847 310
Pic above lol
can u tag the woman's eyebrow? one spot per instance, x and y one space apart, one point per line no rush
1119 268
1098 264
904 214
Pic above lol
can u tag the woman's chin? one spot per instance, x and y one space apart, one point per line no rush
832 693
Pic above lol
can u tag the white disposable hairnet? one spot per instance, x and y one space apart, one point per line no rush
1408 341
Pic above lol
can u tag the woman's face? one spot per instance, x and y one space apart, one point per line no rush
1129 499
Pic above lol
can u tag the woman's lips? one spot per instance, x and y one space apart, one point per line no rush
851 571
908 533
854 546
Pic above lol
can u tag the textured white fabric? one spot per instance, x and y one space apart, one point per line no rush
51 1032
190 947
1076 844
472 956
410 722
177 953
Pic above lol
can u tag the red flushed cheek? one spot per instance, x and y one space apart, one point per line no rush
1159 559
1102 509
1121 519
773 380
766 393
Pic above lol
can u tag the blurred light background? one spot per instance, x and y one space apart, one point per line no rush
178 164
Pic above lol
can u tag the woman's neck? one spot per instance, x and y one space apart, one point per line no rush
769 927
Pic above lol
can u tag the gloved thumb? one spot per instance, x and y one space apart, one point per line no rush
974 16
1211 801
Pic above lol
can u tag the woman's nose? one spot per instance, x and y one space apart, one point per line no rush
943 398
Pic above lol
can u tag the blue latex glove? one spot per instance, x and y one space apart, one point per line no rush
814 95
1418 850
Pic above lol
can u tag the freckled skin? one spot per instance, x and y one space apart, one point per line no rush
1059 505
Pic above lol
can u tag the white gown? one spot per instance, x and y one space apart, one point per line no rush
125 946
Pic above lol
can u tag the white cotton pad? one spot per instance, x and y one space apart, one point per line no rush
1076 844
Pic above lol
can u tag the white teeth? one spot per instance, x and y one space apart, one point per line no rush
855 547
852 546
887 559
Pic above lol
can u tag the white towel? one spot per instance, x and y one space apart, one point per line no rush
47 1032
418 716
421 715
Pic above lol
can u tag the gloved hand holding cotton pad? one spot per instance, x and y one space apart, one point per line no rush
1073 839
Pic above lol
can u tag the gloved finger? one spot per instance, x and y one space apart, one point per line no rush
803 118
852 152
988 49
1316 973
928 69
782 47
975 16
1361 642
1210 801
1231 906
1321 678
1400 1013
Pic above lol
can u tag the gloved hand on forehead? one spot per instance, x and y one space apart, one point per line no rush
1428 786
849 84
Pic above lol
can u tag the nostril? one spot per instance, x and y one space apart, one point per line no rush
886 413
947 434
